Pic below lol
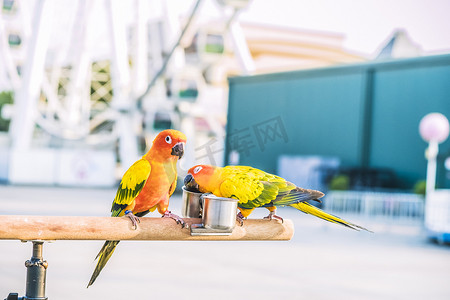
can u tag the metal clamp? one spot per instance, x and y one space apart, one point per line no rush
36 273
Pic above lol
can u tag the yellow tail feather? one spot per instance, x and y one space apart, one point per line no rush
103 257
312 210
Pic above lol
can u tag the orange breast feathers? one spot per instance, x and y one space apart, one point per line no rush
157 190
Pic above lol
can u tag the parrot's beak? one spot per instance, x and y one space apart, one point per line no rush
178 150
190 183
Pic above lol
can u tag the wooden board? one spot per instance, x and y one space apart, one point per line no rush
106 228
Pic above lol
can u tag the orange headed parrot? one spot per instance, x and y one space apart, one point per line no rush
255 188
146 186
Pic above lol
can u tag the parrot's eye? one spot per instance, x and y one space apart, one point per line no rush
168 139
197 169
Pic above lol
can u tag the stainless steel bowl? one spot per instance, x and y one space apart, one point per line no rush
191 204
218 212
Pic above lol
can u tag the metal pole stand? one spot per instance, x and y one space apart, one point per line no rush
36 272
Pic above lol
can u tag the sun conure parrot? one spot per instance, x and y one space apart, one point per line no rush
146 186
255 188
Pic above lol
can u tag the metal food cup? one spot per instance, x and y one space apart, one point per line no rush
191 204
219 212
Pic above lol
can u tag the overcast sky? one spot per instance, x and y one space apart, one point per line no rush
366 24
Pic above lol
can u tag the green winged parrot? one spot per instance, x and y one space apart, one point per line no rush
255 188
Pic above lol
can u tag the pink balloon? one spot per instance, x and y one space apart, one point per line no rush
434 126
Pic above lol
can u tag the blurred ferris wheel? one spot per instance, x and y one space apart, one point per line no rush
90 71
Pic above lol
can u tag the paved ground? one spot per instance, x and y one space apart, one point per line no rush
322 261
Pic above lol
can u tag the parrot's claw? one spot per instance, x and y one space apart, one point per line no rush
240 218
179 220
272 216
134 220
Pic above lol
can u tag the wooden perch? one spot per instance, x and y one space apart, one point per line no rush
106 228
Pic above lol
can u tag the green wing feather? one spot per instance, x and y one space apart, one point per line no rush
256 188
317 212
131 185
103 257
297 195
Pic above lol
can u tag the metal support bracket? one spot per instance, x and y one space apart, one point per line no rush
36 274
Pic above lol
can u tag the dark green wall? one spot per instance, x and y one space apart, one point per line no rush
366 114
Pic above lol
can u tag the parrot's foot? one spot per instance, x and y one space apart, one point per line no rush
272 216
134 220
179 220
240 218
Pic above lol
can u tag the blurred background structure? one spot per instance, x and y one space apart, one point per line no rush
327 94
87 84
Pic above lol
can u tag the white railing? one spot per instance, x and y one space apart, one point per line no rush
395 207
437 219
